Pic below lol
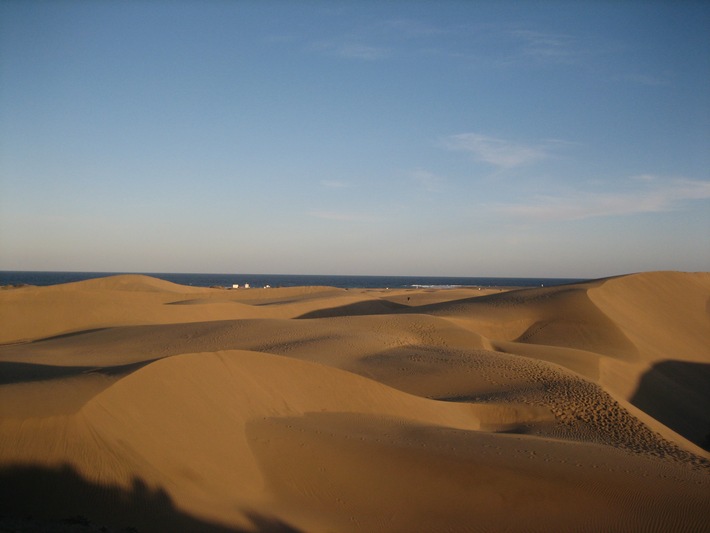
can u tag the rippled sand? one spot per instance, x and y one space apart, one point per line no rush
131 402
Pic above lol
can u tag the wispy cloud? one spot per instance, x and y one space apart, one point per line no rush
412 28
653 195
341 216
545 47
645 79
428 181
384 39
335 184
497 152
351 50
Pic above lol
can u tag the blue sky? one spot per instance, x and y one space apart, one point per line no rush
565 139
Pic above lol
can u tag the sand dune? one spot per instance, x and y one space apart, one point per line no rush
133 402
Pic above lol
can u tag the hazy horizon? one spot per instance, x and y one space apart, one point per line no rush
483 139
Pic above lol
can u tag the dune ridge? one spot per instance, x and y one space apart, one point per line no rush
580 407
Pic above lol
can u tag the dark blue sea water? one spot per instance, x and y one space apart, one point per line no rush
286 280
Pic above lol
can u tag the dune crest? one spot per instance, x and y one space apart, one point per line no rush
576 407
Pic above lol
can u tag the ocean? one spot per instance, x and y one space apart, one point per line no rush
288 280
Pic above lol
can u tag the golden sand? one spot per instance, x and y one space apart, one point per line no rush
133 402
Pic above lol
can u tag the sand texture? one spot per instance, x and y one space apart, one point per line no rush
130 403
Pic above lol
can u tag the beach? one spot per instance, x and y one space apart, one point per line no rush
133 402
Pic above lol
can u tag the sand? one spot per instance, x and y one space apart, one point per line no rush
131 403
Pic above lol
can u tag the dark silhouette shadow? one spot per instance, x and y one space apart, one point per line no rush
38 499
677 394
383 307
12 372
369 307
70 335
53 337
270 524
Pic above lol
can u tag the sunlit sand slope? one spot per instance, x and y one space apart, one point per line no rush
129 402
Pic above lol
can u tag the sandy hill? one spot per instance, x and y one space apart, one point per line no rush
130 402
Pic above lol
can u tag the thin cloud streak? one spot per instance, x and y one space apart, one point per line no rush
497 152
645 79
545 47
335 184
427 181
500 45
412 28
670 195
352 50
341 216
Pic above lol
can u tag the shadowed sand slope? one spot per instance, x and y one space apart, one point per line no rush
133 402
677 394
60 488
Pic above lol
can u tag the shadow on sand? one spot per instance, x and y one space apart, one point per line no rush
369 307
676 393
12 372
59 500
